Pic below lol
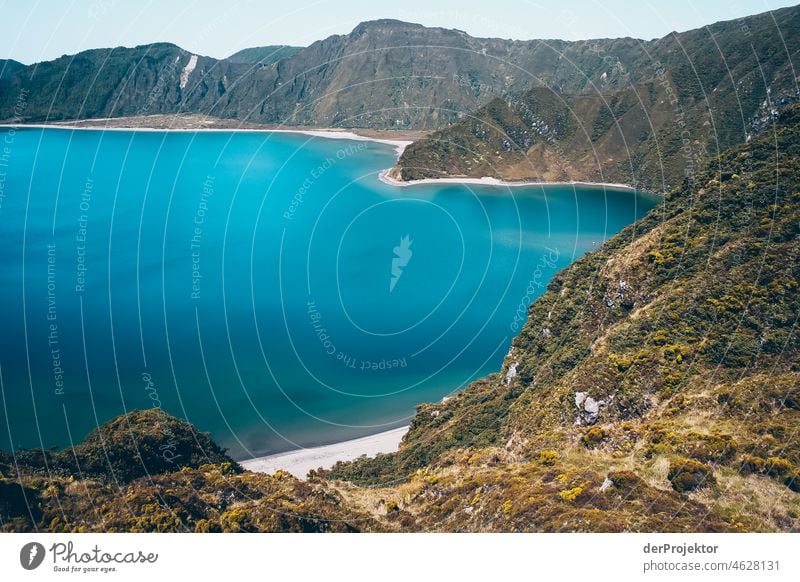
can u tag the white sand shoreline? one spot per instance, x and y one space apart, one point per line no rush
488 181
301 461
398 144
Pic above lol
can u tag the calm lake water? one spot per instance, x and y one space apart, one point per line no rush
266 287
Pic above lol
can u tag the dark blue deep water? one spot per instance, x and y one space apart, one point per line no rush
267 287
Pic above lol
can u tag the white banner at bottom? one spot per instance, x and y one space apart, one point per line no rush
401 557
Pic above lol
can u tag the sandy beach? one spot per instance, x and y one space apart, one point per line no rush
399 145
106 125
386 178
301 461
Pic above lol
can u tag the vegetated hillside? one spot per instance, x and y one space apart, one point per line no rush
147 471
264 55
653 388
687 97
8 67
388 74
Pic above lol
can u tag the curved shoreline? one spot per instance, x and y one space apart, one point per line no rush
399 144
489 181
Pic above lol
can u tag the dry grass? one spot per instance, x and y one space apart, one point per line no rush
754 502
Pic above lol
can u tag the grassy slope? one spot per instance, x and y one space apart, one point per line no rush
264 55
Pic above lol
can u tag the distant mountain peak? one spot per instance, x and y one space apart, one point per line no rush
384 24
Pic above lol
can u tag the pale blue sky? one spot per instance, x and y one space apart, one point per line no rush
35 30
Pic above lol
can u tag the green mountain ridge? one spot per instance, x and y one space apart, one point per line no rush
653 388
264 55
8 67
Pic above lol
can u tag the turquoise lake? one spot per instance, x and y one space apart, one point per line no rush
267 287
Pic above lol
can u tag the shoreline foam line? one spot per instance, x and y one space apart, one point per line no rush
299 462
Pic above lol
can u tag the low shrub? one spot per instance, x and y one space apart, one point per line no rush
593 437
687 475
548 457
